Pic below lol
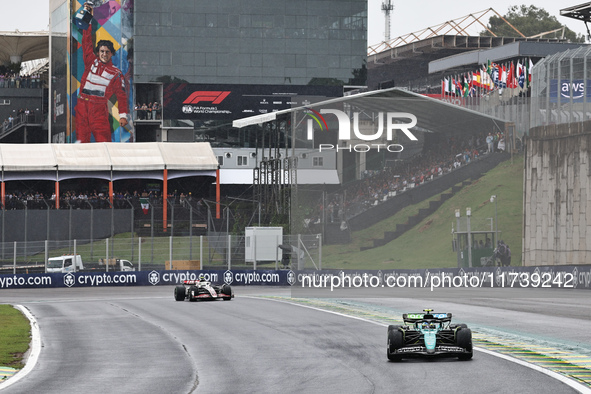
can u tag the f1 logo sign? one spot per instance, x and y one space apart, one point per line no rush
213 97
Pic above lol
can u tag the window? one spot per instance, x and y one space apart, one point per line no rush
318 162
221 160
242 160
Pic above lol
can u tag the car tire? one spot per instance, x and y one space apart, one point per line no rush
464 340
192 290
179 293
395 341
226 289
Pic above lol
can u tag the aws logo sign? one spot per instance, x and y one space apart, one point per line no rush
387 122
576 87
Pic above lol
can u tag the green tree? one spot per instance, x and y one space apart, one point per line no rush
530 21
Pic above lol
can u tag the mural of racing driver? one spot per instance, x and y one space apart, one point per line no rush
101 80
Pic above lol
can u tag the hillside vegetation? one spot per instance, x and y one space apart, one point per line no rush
429 244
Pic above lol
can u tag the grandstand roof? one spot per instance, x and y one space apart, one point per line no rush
518 49
581 12
19 46
106 160
432 114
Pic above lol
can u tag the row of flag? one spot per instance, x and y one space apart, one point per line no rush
492 76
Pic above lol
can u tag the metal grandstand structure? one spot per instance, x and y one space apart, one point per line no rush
581 12
463 26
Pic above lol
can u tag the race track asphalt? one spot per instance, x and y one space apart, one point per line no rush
139 340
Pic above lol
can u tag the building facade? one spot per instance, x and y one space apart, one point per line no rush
259 55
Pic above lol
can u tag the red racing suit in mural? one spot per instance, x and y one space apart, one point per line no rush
99 82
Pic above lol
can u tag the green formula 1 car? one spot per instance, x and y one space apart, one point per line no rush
429 334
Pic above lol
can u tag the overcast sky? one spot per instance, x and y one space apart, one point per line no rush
407 16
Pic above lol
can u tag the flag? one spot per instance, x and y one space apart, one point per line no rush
485 79
526 73
466 83
494 75
520 75
503 79
445 85
511 77
476 79
458 84
145 205
529 72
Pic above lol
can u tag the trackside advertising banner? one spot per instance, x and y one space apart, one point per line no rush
207 101
326 283
146 278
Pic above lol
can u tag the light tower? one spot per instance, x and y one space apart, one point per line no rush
387 7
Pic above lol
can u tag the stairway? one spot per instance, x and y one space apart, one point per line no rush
416 219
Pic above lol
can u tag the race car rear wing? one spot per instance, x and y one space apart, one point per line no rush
415 317
193 282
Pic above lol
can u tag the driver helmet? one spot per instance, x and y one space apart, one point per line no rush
201 278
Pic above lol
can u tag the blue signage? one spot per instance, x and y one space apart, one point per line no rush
575 87
238 277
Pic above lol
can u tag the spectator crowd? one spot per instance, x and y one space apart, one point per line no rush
440 156
150 111
17 81
19 199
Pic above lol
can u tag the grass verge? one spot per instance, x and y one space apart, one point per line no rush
429 243
15 333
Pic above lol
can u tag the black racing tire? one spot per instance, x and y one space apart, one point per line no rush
395 341
464 340
226 289
461 325
179 293
191 290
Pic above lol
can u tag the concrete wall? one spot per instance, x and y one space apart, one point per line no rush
63 224
557 195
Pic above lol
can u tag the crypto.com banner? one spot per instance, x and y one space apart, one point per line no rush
147 278
327 283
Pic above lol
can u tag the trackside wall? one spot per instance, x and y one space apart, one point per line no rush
557 195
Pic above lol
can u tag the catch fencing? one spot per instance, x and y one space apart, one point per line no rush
215 251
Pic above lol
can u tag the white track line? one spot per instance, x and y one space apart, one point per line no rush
35 350
581 388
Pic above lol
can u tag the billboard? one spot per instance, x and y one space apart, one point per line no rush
100 89
214 101
575 87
